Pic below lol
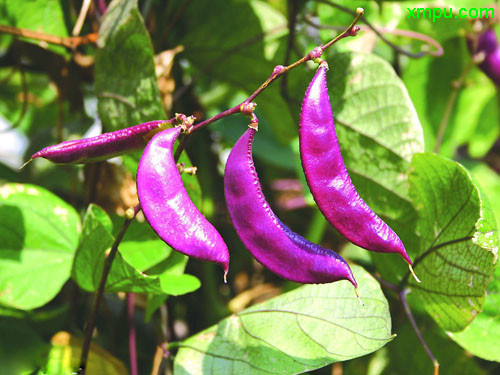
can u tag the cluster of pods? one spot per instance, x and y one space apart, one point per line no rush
174 217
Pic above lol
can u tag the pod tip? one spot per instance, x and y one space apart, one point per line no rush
413 273
25 164
358 297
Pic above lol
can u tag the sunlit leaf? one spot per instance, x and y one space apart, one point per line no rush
302 330
39 234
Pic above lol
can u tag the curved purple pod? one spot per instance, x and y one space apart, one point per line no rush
329 181
168 208
103 146
488 43
273 244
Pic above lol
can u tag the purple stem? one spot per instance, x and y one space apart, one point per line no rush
101 4
89 328
404 301
131 334
278 72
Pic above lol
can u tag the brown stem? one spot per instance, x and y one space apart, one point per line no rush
89 329
408 312
457 85
69 42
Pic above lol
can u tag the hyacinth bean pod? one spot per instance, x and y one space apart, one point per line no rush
488 44
272 243
103 146
328 180
168 208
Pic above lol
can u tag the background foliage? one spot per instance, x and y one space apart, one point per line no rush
430 169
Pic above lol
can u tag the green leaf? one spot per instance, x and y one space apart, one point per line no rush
44 16
302 330
95 240
64 358
406 355
239 43
39 234
458 241
22 350
125 79
378 129
176 285
481 337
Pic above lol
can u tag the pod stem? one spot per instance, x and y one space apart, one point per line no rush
358 297
413 273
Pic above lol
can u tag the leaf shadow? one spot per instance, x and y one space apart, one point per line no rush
12 232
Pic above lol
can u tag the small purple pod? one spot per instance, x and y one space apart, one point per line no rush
488 43
103 146
328 180
168 208
273 244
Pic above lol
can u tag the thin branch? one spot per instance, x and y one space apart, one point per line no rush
456 86
131 334
70 42
81 17
89 329
293 10
379 31
408 312
278 72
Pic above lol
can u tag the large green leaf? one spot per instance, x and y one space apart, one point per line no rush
22 350
459 243
125 80
407 356
305 329
97 239
39 234
482 336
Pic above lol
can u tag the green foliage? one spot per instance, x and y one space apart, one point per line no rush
53 248
126 89
299 331
459 241
96 240
39 235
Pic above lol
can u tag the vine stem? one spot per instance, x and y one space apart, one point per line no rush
89 328
131 334
408 312
279 70
456 86
379 32
69 42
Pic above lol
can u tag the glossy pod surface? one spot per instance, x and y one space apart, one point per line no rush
168 208
284 252
329 181
103 146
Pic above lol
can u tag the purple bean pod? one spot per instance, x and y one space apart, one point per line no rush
488 44
103 146
168 208
329 181
271 242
